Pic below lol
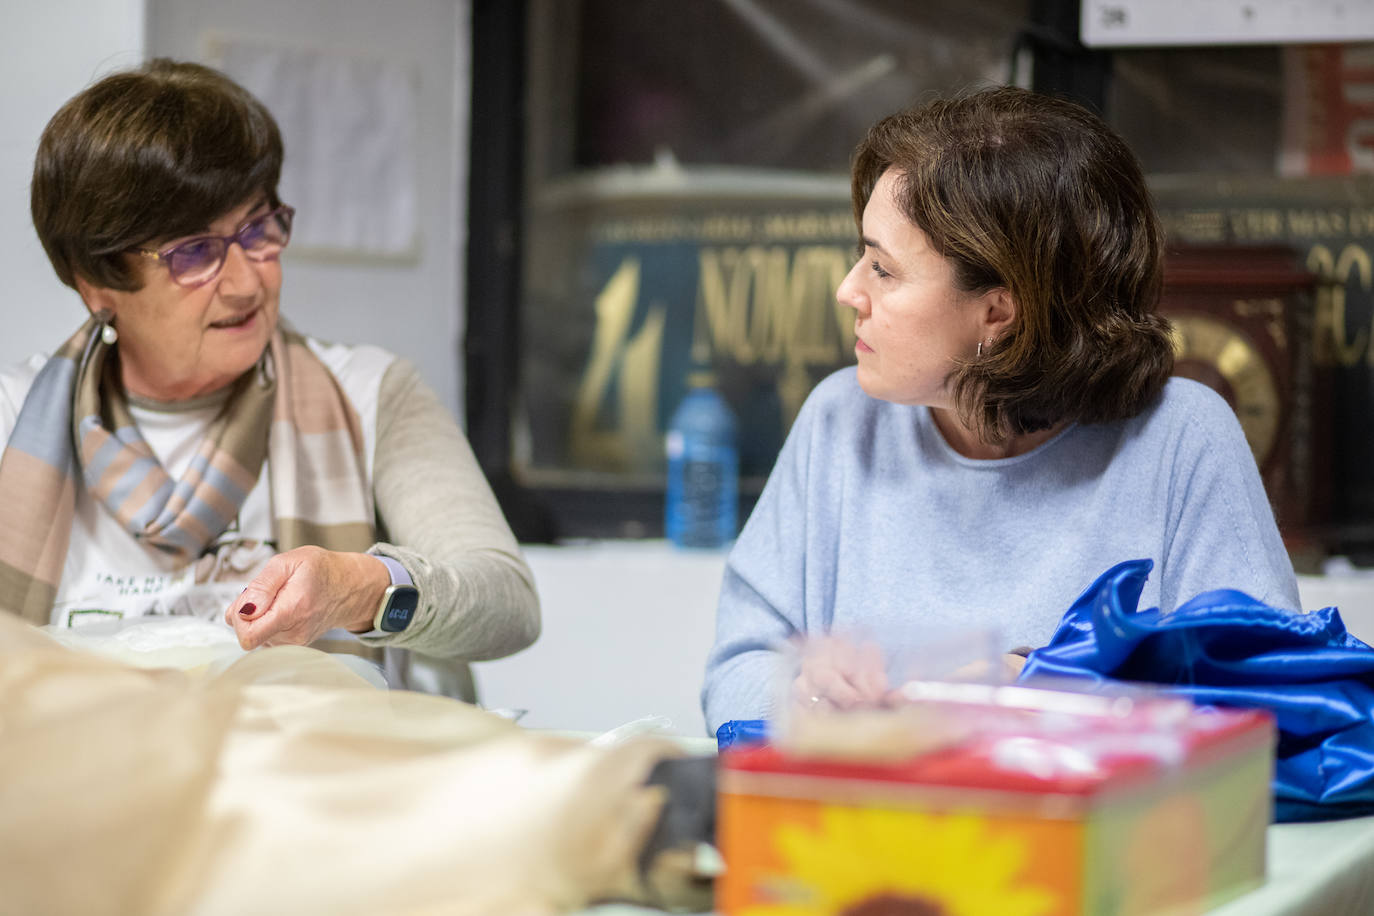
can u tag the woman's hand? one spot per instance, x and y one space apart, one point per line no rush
839 674
303 593
1005 669
1012 663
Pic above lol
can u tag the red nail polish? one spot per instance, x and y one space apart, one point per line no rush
248 609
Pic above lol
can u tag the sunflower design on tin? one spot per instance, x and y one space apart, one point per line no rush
880 862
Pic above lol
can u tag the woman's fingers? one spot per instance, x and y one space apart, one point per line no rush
836 672
1012 663
834 686
871 675
302 594
269 608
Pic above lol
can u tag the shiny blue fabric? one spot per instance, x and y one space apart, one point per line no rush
741 731
1224 648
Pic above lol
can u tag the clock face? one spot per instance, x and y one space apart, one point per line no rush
1226 359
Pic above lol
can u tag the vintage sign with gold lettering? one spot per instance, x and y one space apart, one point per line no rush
644 286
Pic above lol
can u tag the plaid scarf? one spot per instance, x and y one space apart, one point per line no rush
289 409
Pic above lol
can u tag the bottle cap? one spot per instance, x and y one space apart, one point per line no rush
701 378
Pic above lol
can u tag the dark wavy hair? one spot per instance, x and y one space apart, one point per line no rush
147 154
1039 196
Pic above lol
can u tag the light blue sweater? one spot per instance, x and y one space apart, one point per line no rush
871 523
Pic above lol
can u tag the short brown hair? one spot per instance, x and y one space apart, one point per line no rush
156 152
1039 196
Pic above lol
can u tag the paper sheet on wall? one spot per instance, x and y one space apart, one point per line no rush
349 124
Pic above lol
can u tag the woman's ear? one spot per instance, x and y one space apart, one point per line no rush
96 297
998 311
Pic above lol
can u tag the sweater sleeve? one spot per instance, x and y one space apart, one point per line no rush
1223 533
763 592
441 521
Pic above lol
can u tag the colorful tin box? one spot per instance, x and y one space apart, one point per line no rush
1111 807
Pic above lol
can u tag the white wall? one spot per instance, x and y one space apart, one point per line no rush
56 47
627 625
52 49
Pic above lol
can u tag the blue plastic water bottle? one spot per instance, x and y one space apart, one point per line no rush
703 468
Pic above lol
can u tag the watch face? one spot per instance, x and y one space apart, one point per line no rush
1224 357
402 600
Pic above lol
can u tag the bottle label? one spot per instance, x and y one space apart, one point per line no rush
702 494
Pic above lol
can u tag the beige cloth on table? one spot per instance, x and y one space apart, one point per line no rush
285 784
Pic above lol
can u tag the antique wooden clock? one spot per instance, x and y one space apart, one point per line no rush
1242 321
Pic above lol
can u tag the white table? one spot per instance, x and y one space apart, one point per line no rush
1322 869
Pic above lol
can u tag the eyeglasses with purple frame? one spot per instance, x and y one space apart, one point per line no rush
199 260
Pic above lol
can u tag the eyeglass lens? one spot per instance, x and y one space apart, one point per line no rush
199 260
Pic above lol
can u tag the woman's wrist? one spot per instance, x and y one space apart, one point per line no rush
377 579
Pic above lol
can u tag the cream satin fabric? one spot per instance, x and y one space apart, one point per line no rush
286 784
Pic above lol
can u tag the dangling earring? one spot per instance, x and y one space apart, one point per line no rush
108 334
980 349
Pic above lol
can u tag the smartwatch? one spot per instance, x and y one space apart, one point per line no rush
399 602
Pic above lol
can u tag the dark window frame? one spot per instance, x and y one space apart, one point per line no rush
491 349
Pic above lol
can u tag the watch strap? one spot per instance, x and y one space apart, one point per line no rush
399 576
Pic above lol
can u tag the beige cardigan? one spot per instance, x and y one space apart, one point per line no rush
438 517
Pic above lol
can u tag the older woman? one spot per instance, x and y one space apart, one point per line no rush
184 452
1011 429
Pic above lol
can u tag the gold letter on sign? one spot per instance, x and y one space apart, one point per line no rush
1331 346
766 305
630 366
